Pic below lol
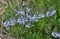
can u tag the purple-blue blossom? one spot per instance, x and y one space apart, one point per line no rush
21 21
41 15
6 24
21 12
31 19
54 34
12 21
50 13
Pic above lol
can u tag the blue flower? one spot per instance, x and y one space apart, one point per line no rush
12 21
21 21
6 24
31 19
50 13
21 12
58 35
54 34
41 15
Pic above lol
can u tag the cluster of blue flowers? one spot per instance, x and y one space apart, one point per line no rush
26 17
